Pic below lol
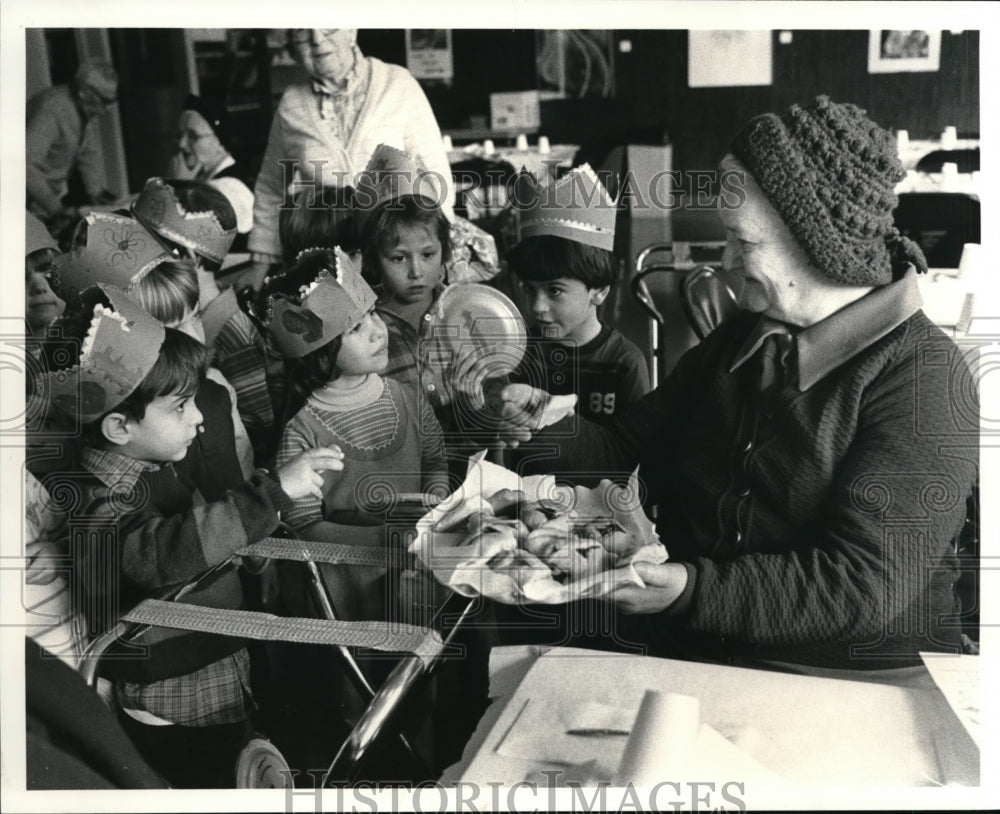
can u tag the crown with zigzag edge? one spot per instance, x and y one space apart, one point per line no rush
577 207
120 348
333 303
118 250
391 174
201 232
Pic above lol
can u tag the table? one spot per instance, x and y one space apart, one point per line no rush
797 732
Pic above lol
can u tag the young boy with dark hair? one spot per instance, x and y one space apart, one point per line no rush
130 383
566 268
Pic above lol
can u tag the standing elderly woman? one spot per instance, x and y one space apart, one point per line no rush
330 126
811 461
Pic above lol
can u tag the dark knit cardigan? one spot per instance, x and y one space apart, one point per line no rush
818 530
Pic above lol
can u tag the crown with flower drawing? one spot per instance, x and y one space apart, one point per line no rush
390 175
577 207
201 232
116 250
333 302
120 348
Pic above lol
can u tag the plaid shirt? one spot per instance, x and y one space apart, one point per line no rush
246 356
215 694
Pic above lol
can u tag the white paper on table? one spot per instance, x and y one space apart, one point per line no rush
539 734
463 567
958 679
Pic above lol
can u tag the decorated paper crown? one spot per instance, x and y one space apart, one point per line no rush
390 175
120 349
327 307
36 236
160 211
119 251
577 207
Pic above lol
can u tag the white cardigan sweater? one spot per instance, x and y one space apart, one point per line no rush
395 112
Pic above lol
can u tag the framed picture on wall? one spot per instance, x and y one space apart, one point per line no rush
903 51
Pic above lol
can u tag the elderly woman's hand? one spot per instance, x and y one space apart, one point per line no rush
664 583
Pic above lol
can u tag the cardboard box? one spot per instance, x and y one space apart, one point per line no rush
519 110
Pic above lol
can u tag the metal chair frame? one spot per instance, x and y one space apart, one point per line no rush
377 721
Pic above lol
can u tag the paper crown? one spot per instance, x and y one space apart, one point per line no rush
390 175
577 207
36 236
119 251
201 232
324 309
121 347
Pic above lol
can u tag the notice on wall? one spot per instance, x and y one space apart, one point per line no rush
428 53
729 58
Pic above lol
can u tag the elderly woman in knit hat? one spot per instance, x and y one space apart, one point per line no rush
796 453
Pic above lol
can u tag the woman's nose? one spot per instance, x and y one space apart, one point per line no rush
730 257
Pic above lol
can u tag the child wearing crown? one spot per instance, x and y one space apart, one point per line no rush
116 249
130 383
565 266
195 221
324 321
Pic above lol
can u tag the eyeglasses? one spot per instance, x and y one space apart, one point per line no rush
191 135
106 101
303 36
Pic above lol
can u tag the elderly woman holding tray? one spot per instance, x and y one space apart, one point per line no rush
328 127
811 461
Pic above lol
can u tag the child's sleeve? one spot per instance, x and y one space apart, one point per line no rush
433 459
306 510
240 356
158 551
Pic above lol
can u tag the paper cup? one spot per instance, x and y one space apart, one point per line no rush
949 175
949 138
902 140
971 256
446 140
543 145
522 142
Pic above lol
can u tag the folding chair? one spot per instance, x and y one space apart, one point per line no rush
424 646
660 270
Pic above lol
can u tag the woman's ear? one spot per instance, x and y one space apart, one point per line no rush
114 427
599 295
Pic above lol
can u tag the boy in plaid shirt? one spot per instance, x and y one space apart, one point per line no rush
146 529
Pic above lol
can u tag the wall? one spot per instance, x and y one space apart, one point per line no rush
652 85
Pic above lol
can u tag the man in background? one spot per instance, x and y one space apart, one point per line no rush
62 123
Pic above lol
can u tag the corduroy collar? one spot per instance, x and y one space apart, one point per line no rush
825 346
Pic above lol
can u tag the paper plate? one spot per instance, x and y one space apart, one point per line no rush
261 766
471 312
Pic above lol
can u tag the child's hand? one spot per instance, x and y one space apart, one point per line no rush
300 476
465 376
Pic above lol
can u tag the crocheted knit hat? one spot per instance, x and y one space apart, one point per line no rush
831 172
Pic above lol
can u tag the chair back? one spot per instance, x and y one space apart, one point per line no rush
707 299
941 223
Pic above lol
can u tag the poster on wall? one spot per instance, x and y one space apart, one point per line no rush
903 51
729 58
428 53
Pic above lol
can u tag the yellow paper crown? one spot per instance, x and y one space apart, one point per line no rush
577 207
121 347
201 232
119 251
334 302
390 175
